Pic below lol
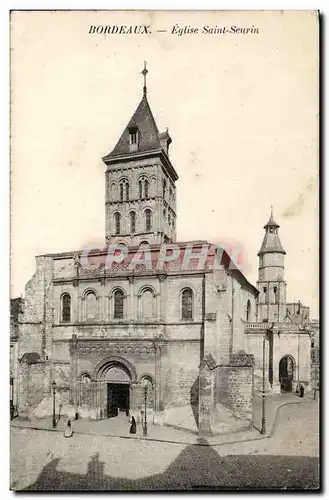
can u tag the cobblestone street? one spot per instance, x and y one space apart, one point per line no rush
43 460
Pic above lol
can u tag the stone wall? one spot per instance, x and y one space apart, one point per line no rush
234 385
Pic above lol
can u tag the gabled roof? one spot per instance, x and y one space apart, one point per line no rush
148 134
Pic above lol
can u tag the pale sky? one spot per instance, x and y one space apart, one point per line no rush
242 111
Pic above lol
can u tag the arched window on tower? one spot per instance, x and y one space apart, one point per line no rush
148 220
132 222
275 292
248 310
140 185
146 188
187 304
118 304
164 186
124 190
66 308
117 220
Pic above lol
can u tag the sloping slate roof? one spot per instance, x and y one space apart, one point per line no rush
271 243
148 132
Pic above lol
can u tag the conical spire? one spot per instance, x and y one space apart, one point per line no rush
271 242
271 221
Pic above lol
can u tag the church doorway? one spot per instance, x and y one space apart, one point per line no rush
286 373
118 390
117 399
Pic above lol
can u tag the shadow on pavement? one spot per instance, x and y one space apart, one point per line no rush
196 468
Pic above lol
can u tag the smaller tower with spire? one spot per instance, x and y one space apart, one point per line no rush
271 284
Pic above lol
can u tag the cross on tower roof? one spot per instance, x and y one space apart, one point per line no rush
144 73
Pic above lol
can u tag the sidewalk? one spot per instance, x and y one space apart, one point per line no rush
119 427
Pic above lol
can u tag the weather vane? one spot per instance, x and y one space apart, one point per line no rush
144 73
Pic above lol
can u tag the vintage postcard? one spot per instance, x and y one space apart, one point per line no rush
164 243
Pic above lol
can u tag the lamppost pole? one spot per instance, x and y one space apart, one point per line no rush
53 385
145 419
263 429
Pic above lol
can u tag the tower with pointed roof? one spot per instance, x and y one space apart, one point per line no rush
271 284
140 200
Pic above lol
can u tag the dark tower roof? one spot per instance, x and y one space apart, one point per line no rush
271 242
143 121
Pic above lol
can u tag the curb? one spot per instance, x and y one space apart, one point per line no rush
142 438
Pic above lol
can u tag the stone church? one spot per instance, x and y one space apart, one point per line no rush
178 334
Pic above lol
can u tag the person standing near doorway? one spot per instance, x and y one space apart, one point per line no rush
133 426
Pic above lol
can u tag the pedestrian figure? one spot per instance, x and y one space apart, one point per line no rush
133 426
68 430
301 391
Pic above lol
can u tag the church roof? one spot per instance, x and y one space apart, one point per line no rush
271 222
148 134
271 243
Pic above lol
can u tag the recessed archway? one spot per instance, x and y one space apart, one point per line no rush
118 374
286 373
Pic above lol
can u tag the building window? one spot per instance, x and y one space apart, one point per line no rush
164 186
117 220
124 190
147 304
148 220
275 291
146 188
248 311
133 132
144 191
66 308
187 304
118 304
132 222
169 220
264 289
91 301
170 193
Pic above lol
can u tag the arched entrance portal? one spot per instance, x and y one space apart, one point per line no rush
118 391
286 373
117 375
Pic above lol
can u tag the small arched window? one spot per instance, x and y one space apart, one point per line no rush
91 306
132 222
187 304
140 185
124 190
118 304
117 220
146 188
248 310
164 186
148 220
66 308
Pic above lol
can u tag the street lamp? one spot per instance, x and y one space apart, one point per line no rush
145 401
12 410
53 386
266 337
263 429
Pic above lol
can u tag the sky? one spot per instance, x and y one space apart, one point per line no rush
242 111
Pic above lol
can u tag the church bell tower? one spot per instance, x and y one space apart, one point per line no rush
140 200
271 284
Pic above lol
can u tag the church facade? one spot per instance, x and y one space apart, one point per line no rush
151 321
